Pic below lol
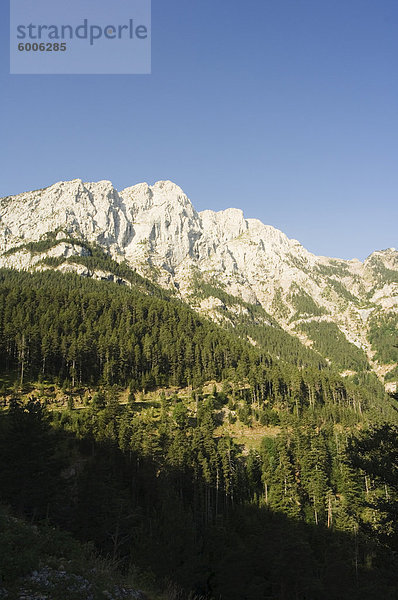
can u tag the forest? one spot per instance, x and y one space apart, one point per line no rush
186 454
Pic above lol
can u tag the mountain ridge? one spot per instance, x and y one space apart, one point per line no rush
157 231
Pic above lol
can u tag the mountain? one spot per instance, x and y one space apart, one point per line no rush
249 457
234 270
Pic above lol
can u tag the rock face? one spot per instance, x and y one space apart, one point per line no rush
157 231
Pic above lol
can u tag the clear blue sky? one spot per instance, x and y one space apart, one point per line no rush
285 108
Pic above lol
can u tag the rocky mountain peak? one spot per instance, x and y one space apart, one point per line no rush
163 193
157 231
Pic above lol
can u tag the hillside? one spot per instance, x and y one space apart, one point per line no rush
164 485
191 404
186 452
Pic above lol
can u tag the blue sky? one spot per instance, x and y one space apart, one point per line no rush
287 109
